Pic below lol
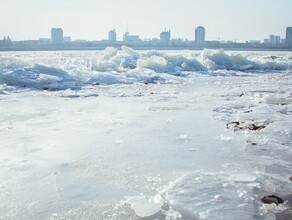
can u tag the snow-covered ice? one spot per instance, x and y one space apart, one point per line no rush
125 134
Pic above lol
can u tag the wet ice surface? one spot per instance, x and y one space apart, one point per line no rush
259 109
198 147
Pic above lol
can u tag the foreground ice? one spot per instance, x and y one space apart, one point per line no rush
204 144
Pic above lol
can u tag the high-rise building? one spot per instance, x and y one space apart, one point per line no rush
277 39
6 42
200 36
57 36
165 38
289 37
274 39
112 35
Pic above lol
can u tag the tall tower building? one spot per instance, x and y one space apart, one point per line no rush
289 37
112 36
272 39
57 36
200 36
126 36
165 38
130 39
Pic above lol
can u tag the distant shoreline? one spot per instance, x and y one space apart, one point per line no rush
141 48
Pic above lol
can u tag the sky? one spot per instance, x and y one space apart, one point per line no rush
92 19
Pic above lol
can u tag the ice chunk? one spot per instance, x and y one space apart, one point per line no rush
154 62
102 78
104 65
206 196
145 208
38 77
110 52
184 137
72 70
278 99
193 65
129 51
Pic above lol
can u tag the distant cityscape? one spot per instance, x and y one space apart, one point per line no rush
58 41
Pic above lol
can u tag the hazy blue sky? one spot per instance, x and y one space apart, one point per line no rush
92 19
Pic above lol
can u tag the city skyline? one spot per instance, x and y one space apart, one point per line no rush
271 38
58 41
91 20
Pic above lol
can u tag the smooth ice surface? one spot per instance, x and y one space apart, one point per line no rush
130 135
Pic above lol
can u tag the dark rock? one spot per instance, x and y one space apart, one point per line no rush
273 57
290 178
254 127
236 126
232 124
272 199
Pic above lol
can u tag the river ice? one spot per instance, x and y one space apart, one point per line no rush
154 135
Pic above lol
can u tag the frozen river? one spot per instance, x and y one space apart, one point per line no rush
131 135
